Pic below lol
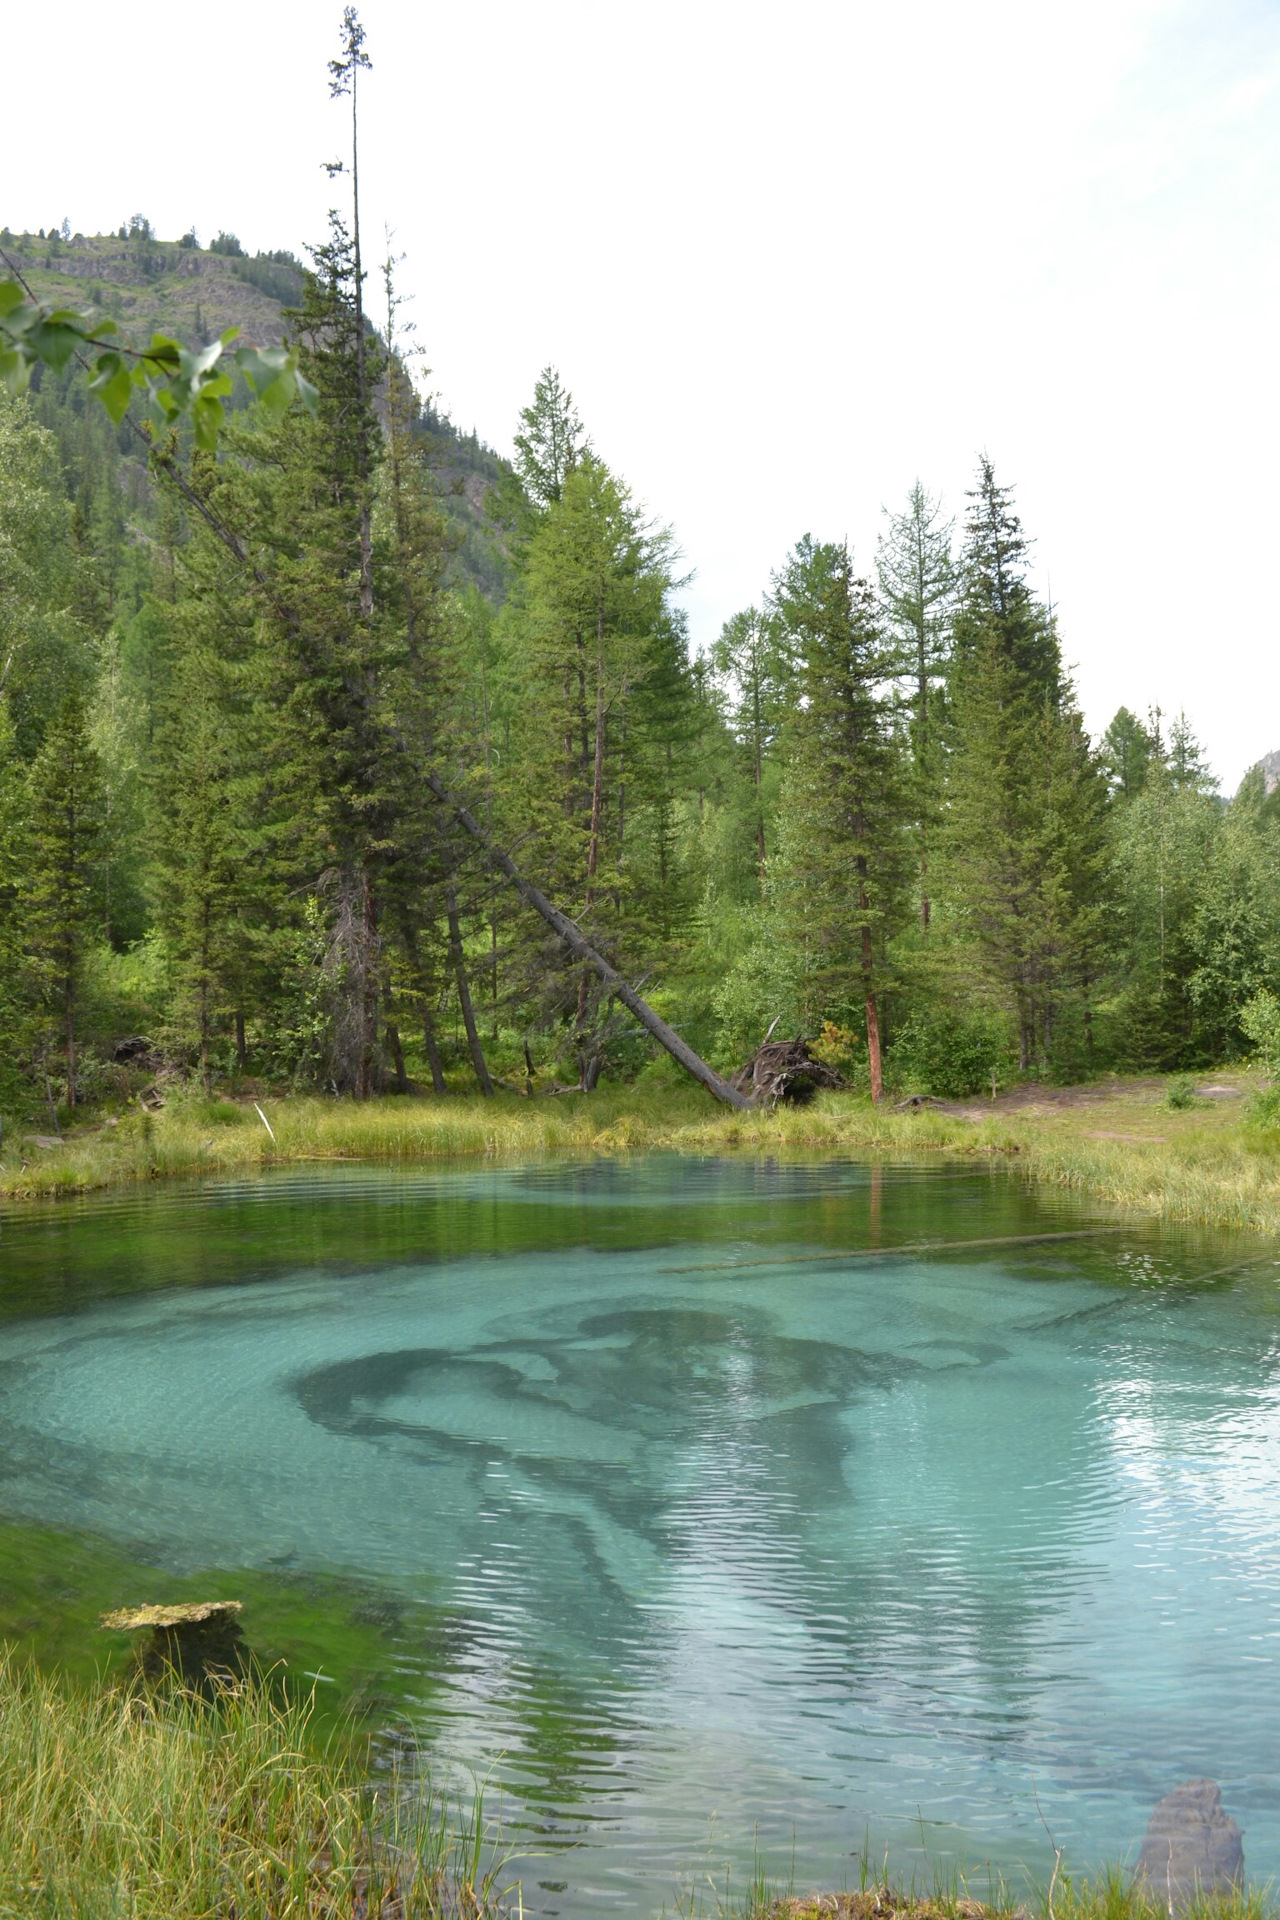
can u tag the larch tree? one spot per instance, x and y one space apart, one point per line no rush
917 579
752 659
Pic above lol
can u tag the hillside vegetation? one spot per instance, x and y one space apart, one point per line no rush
237 694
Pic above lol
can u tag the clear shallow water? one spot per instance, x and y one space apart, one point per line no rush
729 1538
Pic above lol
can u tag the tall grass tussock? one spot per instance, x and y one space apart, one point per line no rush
124 1804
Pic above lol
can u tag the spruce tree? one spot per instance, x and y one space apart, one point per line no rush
601 692
840 878
1024 843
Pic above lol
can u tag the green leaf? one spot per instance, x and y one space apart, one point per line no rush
15 369
113 384
54 343
11 296
164 353
206 418
194 365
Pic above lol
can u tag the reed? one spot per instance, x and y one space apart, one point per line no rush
172 1807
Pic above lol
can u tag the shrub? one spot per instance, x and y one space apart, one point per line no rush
1260 1018
1180 1092
949 1054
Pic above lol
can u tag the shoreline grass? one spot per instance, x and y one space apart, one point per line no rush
166 1806
1123 1144
163 1805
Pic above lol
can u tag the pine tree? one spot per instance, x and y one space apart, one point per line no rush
64 849
917 591
840 877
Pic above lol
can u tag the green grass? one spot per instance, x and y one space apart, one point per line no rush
57 1584
1202 1164
1111 1895
115 1802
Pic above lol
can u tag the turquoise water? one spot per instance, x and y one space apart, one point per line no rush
742 1539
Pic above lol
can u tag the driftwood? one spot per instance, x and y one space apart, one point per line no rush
784 1070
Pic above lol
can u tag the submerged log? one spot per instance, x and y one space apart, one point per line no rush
199 1644
784 1070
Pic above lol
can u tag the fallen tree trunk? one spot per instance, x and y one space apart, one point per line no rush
561 924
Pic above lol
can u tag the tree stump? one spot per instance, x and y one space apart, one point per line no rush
784 1070
199 1644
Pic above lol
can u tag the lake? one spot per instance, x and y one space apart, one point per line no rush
694 1516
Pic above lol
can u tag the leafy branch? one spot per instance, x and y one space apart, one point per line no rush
180 386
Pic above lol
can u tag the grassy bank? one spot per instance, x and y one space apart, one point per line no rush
1120 1142
117 1803
1112 1897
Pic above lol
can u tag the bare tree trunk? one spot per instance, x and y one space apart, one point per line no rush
593 845
205 1074
432 1046
242 1052
873 1018
397 1057
71 1039
562 925
464 994
369 987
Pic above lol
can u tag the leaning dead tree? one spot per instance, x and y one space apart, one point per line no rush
561 924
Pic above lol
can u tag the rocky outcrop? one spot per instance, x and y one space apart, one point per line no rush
1269 768
1191 1847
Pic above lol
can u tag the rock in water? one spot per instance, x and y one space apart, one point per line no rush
1191 1846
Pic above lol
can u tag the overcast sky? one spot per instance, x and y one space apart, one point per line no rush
788 258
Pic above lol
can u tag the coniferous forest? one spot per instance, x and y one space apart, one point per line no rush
248 695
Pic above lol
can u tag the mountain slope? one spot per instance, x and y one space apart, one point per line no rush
150 286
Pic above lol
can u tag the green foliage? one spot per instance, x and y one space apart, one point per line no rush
1180 1093
951 1053
856 807
63 860
1025 852
181 386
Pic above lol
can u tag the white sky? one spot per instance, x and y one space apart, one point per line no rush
788 259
